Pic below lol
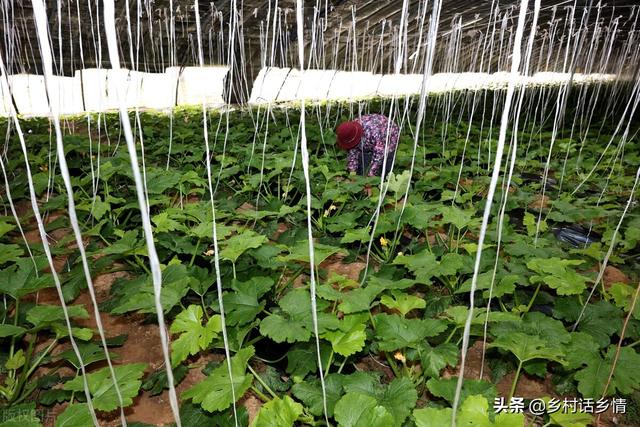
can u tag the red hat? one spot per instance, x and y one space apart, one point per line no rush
349 134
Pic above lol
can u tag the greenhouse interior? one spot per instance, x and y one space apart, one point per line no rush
278 213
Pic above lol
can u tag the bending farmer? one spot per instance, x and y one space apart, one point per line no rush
368 139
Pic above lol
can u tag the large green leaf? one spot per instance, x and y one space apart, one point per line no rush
446 388
11 331
300 252
432 417
625 379
558 274
76 415
361 410
102 389
43 315
278 413
139 294
434 359
310 393
399 398
214 392
232 248
21 279
90 352
243 305
402 302
395 332
194 336
474 412
528 347
350 337
294 322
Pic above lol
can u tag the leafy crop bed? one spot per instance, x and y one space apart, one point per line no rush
390 344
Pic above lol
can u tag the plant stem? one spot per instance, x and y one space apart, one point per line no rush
451 335
326 370
260 394
533 298
393 366
342 365
195 252
261 381
515 381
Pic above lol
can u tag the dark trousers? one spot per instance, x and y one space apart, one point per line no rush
365 163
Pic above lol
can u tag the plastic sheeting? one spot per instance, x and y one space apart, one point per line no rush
94 90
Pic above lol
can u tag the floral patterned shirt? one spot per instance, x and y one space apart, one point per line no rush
373 142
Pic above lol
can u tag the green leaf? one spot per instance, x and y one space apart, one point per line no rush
357 235
395 332
16 361
282 329
359 299
232 248
76 415
278 413
402 302
242 306
214 392
569 419
310 393
423 264
555 273
601 320
580 349
193 415
193 335
474 412
360 410
89 353
434 359
625 379
9 252
5 227
350 338
42 315
7 330
432 417
295 321
139 294
531 222
446 388
101 385
456 216
165 224
127 244
623 296
22 278
302 358
300 252
527 347
399 398
157 382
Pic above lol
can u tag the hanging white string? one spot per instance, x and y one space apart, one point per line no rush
487 209
216 258
305 167
45 50
45 242
110 31
507 185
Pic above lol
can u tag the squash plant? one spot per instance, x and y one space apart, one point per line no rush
389 341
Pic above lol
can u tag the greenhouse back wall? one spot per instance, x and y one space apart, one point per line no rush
338 213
